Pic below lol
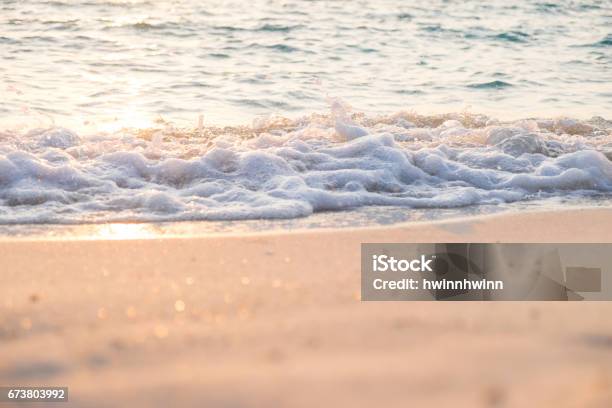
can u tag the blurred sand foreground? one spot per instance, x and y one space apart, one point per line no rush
266 320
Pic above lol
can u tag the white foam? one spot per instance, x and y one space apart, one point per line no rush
285 169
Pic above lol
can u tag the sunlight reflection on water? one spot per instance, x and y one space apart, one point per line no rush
126 63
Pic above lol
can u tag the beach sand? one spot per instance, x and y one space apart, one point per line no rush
275 319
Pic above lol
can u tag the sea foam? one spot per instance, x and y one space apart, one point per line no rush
282 168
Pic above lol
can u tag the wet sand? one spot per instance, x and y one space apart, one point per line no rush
274 319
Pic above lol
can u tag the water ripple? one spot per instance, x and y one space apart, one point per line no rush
99 61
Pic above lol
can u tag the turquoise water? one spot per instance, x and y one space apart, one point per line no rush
106 64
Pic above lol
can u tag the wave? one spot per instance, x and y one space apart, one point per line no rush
605 42
513 36
490 85
283 168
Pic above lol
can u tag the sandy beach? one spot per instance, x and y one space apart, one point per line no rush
275 319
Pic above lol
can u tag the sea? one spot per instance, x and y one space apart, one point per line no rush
132 111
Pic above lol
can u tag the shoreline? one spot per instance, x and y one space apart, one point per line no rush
469 228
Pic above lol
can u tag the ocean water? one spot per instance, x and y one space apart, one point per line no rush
121 111
128 62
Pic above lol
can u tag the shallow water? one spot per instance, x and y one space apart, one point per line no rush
155 111
107 64
356 218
